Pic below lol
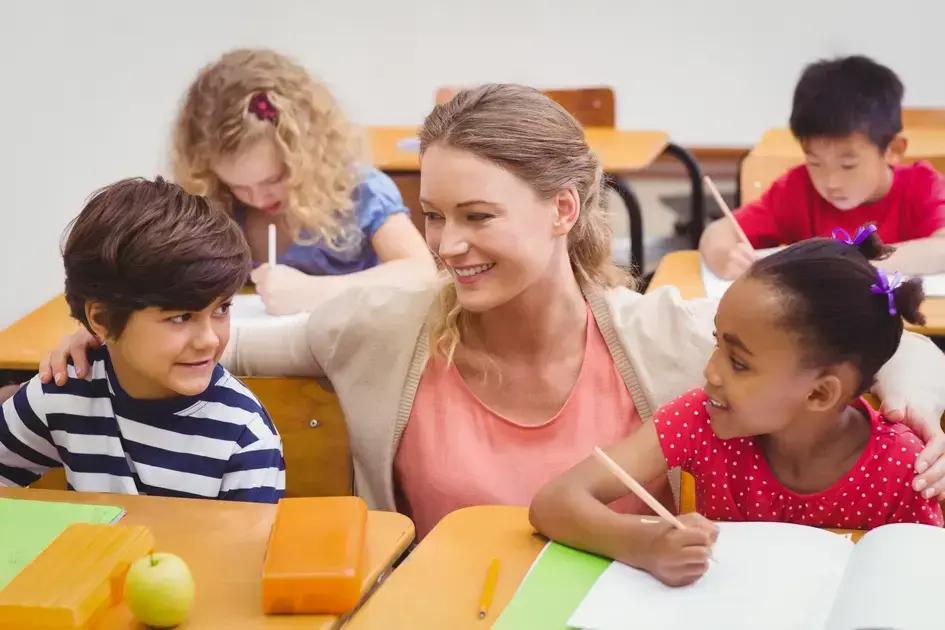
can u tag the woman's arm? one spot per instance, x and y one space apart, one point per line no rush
911 387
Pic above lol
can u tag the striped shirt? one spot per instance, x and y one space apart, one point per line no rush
218 444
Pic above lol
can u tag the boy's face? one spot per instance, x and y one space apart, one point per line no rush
849 171
166 353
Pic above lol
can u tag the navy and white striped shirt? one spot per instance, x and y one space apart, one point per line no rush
218 444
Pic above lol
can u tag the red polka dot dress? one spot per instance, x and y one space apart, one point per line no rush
735 483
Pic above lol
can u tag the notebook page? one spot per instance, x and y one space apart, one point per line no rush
765 575
894 579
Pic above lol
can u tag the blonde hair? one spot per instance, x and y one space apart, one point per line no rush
317 143
525 132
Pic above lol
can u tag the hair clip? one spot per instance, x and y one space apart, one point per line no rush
263 109
862 234
888 287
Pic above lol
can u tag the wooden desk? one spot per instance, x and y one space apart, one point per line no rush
620 151
224 544
681 269
27 340
438 585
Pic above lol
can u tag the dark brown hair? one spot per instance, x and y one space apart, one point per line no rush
830 305
140 243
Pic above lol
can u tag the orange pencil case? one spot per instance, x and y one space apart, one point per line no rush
315 558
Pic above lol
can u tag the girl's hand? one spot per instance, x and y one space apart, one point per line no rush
283 289
681 556
76 347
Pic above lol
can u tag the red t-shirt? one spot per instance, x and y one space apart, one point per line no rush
792 210
735 483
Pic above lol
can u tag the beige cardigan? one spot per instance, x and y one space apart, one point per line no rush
372 345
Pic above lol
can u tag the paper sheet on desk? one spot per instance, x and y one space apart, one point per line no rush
715 287
249 310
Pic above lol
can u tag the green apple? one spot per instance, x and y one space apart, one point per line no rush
160 590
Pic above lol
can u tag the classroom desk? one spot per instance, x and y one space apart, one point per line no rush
439 584
28 339
681 269
224 543
621 152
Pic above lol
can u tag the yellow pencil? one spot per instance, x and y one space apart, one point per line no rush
488 588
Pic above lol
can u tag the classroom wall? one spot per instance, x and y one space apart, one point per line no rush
89 88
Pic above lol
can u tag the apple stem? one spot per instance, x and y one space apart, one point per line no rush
153 561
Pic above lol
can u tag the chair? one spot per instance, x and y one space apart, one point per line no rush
314 437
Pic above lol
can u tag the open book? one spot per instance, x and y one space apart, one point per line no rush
778 576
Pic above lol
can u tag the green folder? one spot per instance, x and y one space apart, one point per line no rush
27 527
554 586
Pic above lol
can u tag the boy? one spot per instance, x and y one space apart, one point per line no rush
847 117
150 271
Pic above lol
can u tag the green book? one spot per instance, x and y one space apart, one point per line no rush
27 527
552 589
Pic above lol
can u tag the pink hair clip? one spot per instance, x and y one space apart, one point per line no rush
260 105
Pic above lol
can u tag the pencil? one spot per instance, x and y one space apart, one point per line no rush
636 488
272 244
725 209
488 588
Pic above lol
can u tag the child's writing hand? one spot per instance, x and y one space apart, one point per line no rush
283 290
681 556
739 259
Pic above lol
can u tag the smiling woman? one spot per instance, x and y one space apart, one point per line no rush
481 386
259 134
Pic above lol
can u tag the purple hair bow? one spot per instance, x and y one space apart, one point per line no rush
887 286
862 234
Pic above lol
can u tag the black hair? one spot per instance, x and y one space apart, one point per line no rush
837 97
830 304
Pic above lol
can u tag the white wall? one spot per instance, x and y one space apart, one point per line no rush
89 88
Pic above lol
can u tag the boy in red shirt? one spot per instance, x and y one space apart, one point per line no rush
847 117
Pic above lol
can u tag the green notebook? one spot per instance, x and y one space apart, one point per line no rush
27 527
554 586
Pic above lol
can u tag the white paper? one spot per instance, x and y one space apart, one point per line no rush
894 579
934 285
409 144
715 287
249 310
764 575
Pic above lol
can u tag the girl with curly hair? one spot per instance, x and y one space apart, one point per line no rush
259 134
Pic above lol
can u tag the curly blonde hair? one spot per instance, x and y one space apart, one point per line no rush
318 144
525 132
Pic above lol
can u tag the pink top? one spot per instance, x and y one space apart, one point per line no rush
456 452
735 483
